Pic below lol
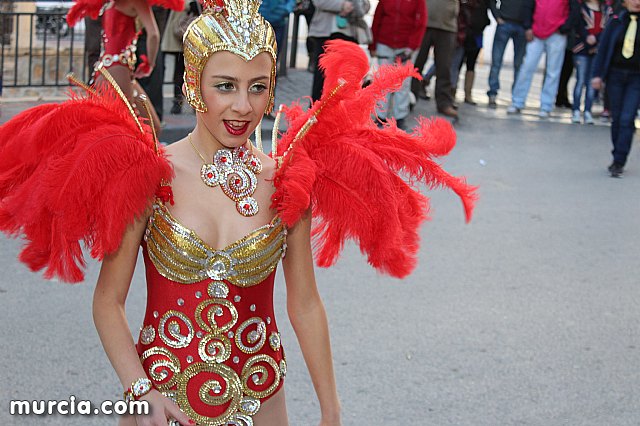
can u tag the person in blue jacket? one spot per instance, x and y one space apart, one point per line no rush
618 64
276 13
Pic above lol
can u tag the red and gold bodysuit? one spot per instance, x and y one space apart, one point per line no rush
119 37
209 338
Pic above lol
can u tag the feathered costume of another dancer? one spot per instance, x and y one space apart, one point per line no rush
336 160
92 8
78 171
85 169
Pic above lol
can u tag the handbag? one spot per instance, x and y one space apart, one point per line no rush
362 32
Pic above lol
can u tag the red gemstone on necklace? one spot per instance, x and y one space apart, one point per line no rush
223 159
247 206
238 181
209 175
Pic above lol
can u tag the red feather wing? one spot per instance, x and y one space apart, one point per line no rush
360 180
76 172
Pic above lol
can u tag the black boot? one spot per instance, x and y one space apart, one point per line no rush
177 107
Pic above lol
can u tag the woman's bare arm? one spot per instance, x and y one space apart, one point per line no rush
110 319
148 20
309 320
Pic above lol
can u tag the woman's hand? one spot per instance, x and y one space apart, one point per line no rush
161 408
591 40
347 8
596 83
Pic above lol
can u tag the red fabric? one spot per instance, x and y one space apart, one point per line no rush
359 180
549 16
162 297
119 31
144 66
399 23
597 23
80 171
91 8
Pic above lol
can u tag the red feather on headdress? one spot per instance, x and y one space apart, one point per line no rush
78 171
360 180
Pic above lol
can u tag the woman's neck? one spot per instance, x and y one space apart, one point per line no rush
206 143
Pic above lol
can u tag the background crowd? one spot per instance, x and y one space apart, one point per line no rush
568 33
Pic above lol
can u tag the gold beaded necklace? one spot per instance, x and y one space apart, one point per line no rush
235 172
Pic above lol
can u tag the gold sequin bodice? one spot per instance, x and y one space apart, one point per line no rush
209 338
180 255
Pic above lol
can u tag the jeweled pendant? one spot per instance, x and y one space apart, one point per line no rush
247 206
210 175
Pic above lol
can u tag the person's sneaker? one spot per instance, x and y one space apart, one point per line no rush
605 115
513 110
575 117
544 114
492 102
588 118
616 170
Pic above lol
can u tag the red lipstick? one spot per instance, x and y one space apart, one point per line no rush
236 128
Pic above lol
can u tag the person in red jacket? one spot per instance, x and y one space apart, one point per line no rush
398 27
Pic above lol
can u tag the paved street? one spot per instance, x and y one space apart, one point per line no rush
526 316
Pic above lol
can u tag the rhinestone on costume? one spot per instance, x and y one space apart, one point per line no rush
219 265
218 289
252 308
199 334
236 298
268 320
210 175
180 302
155 314
283 367
250 406
236 359
255 378
198 294
147 335
274 341
230 334
189 359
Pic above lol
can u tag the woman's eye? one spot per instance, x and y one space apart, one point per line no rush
257 88
225 87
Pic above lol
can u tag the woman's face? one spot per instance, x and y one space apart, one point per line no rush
632 5
236 94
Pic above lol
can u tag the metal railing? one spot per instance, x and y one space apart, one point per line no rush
38 49
41 49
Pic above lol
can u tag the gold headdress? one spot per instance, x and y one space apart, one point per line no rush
235 27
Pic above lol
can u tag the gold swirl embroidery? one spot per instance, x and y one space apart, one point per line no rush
159 369
174 338
225 386
181 256
257 374
214 348
215 309
256 337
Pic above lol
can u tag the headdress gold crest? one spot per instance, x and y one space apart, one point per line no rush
236 27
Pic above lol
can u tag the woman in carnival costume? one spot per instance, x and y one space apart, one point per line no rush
119 40
214 216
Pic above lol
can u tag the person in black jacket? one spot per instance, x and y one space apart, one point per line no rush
619 67
510 16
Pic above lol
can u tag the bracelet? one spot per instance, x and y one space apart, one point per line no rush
139 388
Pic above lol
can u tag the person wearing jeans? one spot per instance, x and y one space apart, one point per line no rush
549 25
589 19
618 64
510 18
